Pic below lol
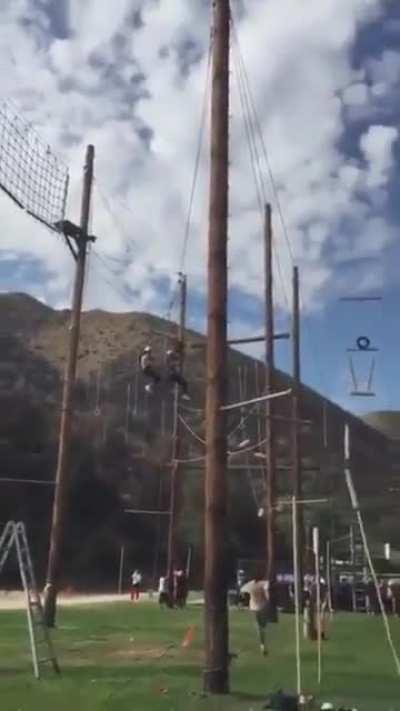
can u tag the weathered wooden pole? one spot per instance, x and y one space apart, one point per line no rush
296 451
216 674
269 412
176 444
60 494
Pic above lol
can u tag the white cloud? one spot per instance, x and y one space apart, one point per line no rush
108 81
356 94
377 147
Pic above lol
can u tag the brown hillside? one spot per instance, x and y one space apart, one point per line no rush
132 444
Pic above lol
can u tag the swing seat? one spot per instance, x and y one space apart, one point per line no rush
362 393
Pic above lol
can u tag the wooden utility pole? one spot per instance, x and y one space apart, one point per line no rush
176 445
216 675
81 239
296 452
269 411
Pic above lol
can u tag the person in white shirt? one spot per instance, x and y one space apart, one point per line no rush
136 579
163 597
257 589
146 363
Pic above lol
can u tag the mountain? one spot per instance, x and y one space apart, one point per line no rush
121 449
385 421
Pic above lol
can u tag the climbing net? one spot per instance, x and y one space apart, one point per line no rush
30 173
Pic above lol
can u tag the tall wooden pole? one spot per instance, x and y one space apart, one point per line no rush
216 675
121 569
269 411
60 494
296 452
176 445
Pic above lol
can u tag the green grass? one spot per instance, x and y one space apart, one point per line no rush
117 658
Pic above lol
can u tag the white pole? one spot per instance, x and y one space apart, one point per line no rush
188 562
128 411
356 508
329 575
121 570
318 584
136 392
296 593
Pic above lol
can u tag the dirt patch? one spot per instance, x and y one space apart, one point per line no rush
139 653
16 600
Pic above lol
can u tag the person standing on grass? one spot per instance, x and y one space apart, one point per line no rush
257 589
240 581
163 596
136 583
180 588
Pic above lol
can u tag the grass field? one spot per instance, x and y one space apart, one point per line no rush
119 658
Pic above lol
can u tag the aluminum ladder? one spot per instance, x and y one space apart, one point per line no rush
14 535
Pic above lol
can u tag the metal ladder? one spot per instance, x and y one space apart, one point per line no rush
14 534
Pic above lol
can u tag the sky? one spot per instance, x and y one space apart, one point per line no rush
132 78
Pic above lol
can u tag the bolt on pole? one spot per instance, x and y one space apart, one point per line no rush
216 674
62 473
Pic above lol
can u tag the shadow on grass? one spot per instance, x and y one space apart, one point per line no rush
247 697
135 670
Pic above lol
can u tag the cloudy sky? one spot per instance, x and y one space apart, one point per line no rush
130 76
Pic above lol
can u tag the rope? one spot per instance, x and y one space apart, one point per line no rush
247 110
189 429
194 179
107 206
247 449
230 453
356 509
198 156
124 292
242 421
251 104
250 138
188 461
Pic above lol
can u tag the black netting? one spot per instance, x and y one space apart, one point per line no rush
30 173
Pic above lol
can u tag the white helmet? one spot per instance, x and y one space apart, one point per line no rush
170 352
147 349
327 706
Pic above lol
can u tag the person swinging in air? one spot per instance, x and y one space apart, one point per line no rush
146 365
175 376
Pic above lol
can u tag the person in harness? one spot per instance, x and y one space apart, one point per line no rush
146 366
173 360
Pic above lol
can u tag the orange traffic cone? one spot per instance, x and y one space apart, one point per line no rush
189 636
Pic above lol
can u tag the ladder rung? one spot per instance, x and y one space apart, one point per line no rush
14 533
